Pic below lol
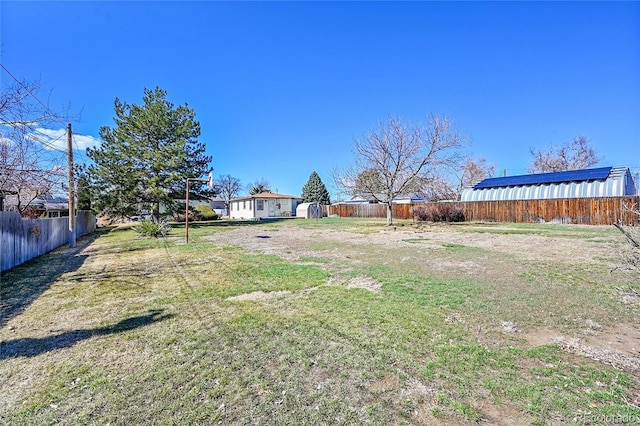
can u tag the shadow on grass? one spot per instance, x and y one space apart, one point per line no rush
29 347
21 285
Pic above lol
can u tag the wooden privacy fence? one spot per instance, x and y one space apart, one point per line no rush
24 239
586 211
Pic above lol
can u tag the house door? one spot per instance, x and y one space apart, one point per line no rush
272 208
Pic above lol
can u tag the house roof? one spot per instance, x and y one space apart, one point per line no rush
271 195
601 173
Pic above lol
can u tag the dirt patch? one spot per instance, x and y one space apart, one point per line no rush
502 414
509 327
622 337
618 346
629 296
540 337
363 282
621 360
260 295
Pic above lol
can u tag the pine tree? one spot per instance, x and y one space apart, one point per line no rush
145 159
83 192
315 191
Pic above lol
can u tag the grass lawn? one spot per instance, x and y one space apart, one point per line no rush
332 321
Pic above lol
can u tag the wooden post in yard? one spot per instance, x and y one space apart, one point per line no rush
186 216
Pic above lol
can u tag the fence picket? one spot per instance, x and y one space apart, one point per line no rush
24 239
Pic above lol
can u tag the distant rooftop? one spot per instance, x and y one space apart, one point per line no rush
267 195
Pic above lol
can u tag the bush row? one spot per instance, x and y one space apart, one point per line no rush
444 212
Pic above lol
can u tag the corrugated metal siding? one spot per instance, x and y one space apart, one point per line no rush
617 184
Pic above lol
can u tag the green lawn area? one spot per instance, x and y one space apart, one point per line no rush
127 330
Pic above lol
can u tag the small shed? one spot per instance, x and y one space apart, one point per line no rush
309 210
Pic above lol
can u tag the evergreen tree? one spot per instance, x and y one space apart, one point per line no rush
83 191
315 191
145 160
258 187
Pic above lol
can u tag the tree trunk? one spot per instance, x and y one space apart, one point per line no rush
156 210
627 234
389 214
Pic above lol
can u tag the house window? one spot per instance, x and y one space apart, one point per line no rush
244 204
260 205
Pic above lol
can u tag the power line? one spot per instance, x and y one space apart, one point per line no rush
49 142
36 135
43 138
46 108
75 142
55 172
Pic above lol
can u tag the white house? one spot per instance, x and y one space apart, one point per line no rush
264 205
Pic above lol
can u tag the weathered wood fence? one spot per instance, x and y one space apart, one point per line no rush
24 239
586 211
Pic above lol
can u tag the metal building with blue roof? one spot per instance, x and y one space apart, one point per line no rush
586 183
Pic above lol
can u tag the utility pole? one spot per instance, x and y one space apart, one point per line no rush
72 209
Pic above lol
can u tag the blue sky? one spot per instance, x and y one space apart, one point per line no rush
282 88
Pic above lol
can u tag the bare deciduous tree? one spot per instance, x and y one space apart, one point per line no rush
577 154
399 159
22 176
17 107
228 187
29 167
631 255
473 171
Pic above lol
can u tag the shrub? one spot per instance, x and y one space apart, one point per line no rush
450 212
198 213
153 228
423 213
440 212
205 212
457 215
